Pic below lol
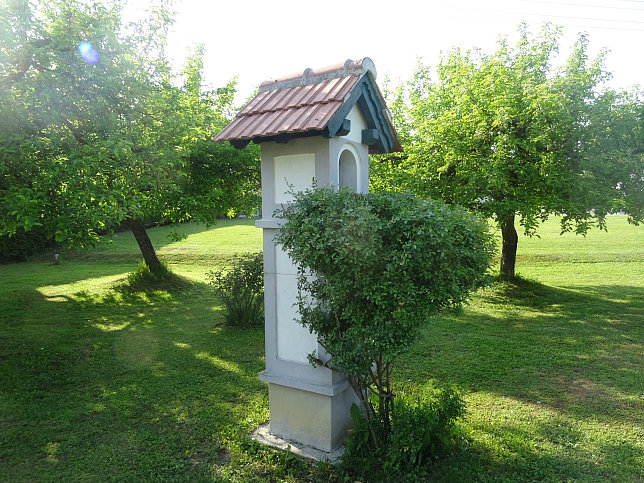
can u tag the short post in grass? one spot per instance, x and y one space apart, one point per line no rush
316 129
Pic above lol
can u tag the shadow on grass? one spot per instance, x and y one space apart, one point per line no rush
533 342
125 385
568 357
605 299
549 453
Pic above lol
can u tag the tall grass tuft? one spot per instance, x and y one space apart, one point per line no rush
145 280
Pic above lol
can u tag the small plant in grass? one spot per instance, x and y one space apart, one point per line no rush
241 290
383 263
422 429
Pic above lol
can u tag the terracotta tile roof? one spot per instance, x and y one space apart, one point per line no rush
298 104
292 110
295 104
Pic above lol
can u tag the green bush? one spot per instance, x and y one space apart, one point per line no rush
23 244
384 264
422 429
241 290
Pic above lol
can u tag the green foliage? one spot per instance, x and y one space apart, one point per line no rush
508 134
241 290
617 139
222 180
22 244
423 427
377 267
422 430
86 144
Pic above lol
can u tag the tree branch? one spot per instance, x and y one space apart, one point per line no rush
75 132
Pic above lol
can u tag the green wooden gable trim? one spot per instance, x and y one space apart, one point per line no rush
342 130
366 95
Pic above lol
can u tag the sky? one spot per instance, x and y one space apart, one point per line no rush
260 40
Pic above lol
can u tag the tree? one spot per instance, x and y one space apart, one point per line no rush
94 131
382 264
616 140
509 135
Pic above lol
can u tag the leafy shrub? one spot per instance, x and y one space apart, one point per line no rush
384 263
422 429
241 290
23 244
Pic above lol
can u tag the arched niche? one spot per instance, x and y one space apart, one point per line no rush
349 168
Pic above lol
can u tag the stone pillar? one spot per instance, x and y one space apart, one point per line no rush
309 405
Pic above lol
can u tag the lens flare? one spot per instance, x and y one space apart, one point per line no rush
88 53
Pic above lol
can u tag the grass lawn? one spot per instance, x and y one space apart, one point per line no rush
100 384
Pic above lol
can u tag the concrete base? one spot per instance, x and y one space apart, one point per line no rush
263 435
315 420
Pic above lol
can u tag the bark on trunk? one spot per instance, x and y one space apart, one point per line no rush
142 238
509 249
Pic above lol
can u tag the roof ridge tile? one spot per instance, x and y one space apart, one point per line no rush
310 76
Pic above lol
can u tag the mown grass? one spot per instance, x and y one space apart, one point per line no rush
553 367
100 383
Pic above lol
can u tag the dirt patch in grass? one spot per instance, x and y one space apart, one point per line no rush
577 390
582 394
584 389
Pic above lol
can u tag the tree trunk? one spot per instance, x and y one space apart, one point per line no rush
142 238
509 249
